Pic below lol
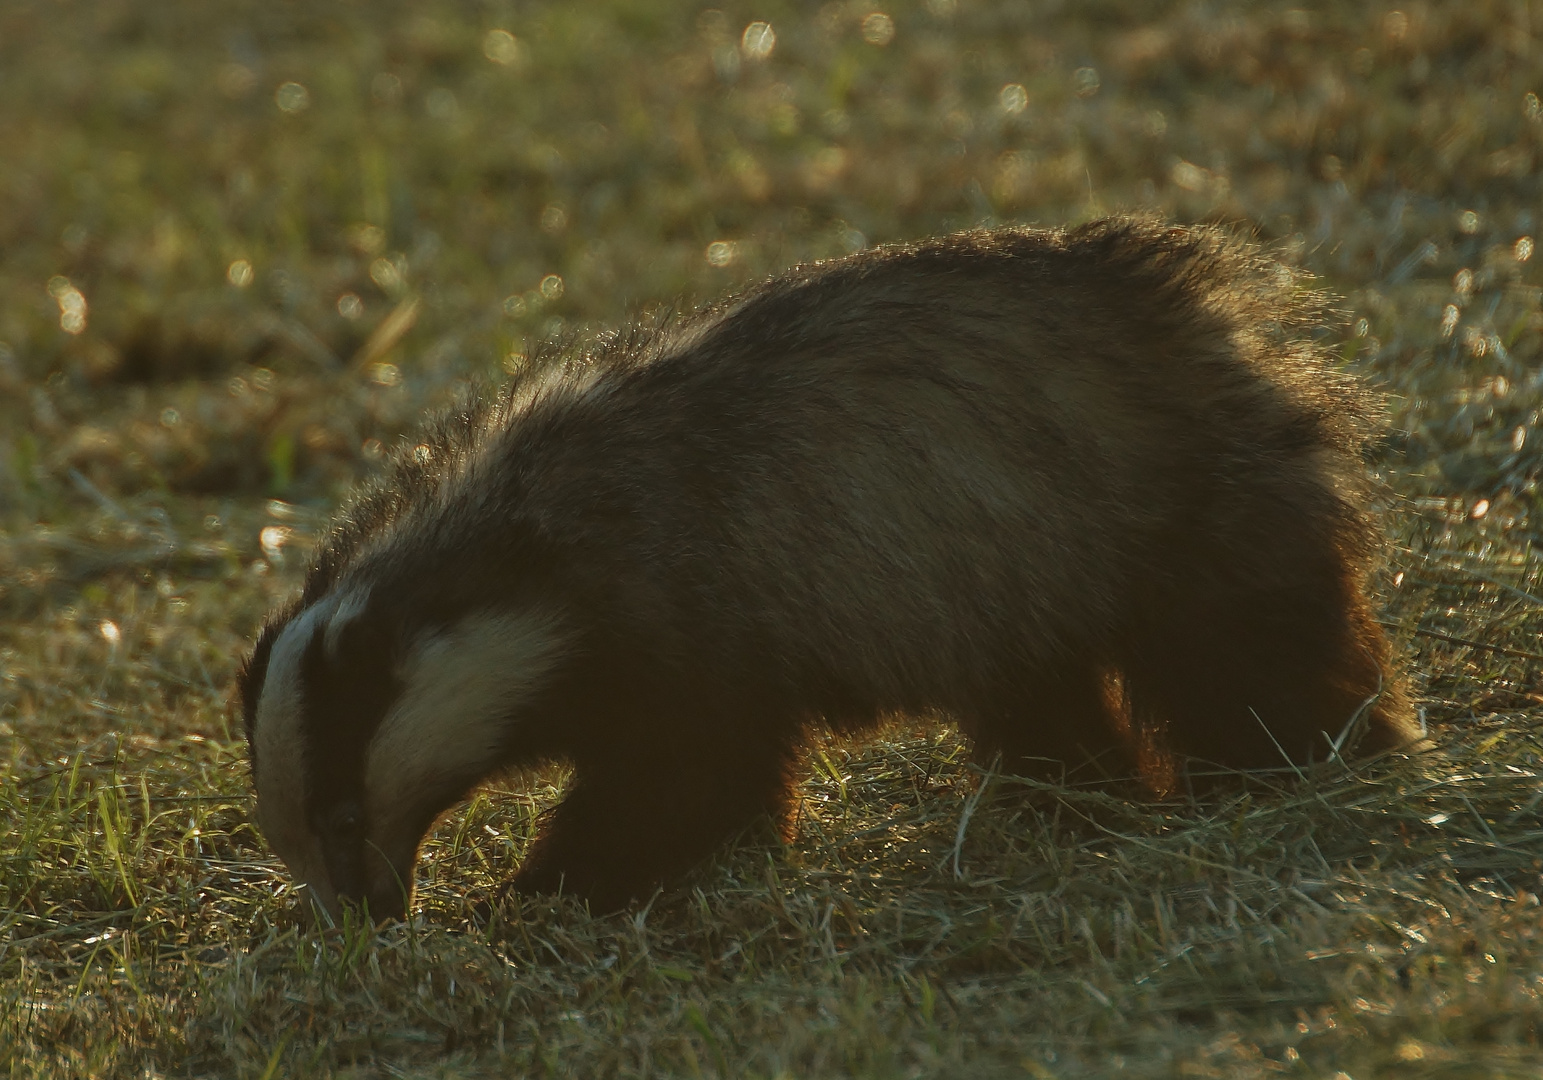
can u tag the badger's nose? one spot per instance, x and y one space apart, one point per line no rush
357 909
385 906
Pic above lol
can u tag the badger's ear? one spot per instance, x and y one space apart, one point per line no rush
363 647
354 626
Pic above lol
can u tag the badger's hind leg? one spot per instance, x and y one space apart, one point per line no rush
643 816
1065 724
1263 662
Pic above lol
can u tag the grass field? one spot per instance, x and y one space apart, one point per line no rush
244 245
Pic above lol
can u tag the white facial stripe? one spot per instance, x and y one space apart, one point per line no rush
460 688
279 743
279 735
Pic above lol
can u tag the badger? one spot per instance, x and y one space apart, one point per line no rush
1093 494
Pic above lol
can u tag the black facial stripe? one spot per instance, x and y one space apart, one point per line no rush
344 697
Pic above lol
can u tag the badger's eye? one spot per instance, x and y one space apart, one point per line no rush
346 820
341 832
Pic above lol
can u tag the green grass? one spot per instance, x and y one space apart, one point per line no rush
261 296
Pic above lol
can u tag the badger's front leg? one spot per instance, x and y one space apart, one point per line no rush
634 822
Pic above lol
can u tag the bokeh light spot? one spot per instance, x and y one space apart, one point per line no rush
72 304
502 47
758 41
387 275
292 97
554 219
878 29
1189 176
272 540
367 239
383 374
239 273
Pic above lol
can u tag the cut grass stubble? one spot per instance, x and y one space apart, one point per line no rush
926 915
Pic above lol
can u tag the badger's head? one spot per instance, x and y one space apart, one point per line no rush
364 723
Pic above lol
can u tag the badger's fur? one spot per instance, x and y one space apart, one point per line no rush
1091 493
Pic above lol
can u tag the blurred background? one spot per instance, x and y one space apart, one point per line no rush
244 244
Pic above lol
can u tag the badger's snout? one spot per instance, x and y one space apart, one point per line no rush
359 872
377 905
324 906
342 834
353 871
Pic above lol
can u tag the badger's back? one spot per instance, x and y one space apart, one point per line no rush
894 476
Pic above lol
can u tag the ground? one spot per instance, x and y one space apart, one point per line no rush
246 244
